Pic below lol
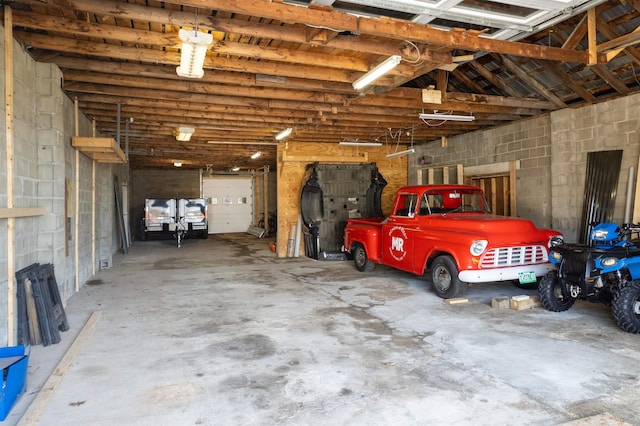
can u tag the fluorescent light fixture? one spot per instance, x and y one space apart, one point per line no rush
283 134
183 134
446 117
193 52
255 155
348 143
235 169
177 163
377 72
401 153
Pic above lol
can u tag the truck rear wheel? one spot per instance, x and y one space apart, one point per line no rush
625 307
362 262
444 277
553 296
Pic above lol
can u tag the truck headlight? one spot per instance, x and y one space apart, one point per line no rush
556 256
477 247
609 262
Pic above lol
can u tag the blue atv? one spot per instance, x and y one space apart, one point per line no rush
607 272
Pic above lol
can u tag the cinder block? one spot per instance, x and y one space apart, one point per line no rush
500 303
456 301
521 303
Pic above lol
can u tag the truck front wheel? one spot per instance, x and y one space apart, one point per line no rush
444 277
626 307
362 262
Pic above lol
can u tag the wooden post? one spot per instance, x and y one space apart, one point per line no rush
591 36
77 208
512 187
93 204
265 196
636 205
93 217
8 127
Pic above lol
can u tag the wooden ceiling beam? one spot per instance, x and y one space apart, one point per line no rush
198 87
579 32
80 47
161 118
247 28
226 77
611 34
513 108
147 38
493 79
573 85
96 107
366 105
577 35
611 79
475 87
532 82
387 27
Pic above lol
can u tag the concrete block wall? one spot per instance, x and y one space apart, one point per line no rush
51 170
612 125
44 122
527 141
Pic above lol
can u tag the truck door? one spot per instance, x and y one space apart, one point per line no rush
398 233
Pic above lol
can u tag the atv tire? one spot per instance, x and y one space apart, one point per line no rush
625 307
552 295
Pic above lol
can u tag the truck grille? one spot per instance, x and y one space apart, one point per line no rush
514 256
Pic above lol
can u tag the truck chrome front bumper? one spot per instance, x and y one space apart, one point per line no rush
503 274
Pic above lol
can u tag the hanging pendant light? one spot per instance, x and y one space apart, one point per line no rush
193 52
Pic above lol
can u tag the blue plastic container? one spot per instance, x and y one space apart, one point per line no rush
13 361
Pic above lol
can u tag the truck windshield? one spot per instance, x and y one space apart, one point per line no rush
448 201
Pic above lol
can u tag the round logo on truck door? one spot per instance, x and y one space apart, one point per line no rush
398 237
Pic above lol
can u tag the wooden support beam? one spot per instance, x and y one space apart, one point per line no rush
298 34
620 42
610 79
21 212
591 34
576 36
611 34
559 73
532 82
10 173
361 158
513 166
493 79
391 28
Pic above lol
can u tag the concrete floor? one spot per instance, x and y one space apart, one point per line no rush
220 332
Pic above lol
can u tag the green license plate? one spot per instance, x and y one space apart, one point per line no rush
527 277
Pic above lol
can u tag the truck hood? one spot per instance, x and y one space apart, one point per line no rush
490 225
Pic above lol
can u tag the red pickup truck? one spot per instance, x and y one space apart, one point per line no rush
448 230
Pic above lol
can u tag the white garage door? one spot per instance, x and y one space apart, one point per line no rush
230 203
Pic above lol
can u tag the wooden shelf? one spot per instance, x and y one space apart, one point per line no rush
103 150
